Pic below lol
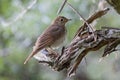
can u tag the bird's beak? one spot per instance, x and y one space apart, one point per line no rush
69 19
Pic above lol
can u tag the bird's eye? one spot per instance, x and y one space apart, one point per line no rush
61 19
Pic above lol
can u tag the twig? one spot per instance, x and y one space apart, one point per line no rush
61 7
111 47
80 16
93 17
20 15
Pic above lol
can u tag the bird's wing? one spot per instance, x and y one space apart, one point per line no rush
43 41
48 37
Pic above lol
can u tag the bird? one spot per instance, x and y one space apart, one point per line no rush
52 37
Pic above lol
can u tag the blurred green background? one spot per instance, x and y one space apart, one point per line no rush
20 27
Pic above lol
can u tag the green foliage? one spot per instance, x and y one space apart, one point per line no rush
18 37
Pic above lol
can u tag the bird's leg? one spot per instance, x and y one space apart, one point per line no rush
52 52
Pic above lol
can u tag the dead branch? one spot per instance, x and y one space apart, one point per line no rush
61 7
81 36
115 4
84 39
80 16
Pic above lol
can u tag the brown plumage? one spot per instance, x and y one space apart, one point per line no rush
51 37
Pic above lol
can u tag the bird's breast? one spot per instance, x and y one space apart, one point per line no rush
59 42
59 38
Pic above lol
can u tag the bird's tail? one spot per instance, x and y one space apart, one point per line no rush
29 57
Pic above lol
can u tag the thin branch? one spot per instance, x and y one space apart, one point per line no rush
93 17
61 7
80 16
20 15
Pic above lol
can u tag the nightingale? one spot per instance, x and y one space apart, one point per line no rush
52 37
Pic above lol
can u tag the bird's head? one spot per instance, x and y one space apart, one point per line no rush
61 20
